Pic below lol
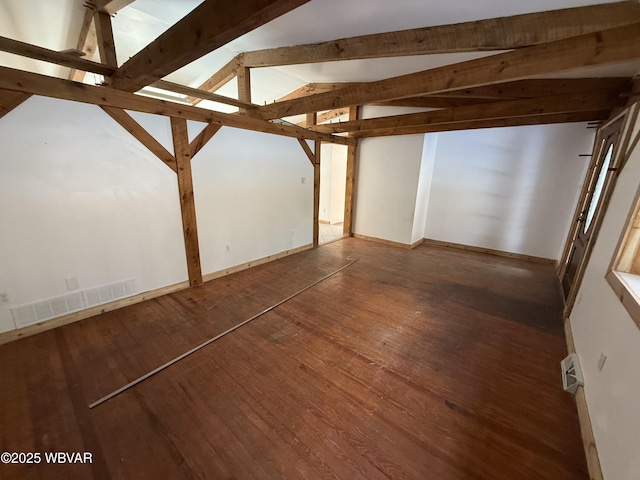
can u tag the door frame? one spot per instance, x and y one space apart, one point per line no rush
617 124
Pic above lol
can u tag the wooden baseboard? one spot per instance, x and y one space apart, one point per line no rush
489 251
388 242
255 263
12 335
588 439
325 222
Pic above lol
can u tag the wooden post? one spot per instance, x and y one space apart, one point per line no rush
316 194
187 204
106 44
244 84
352 150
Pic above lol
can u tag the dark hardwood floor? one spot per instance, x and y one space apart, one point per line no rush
425 364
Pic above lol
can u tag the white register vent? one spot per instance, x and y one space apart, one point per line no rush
571 374
109 293
25 315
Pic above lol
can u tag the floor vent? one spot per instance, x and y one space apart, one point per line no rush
109 293
47 309
571 374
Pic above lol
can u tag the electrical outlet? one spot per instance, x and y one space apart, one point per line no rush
227 248
303 180
4 298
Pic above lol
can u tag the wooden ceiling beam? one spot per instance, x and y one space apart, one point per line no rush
51 56
220 78
609 46
504 33
313 88
106 42
588 116
209 26
193 92
87 43
36 84
10 100
577 102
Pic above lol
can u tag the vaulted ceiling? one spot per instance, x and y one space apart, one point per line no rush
522 50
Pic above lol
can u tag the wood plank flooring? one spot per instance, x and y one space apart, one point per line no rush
425 364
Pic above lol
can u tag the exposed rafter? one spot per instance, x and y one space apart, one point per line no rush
503 33
609 46
51 56
577 102
220 78
87 43
596 115
209 26
313 88
174 87
36 84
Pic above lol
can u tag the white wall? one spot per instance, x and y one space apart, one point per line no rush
511 189
81 197
387 172
249 195
600 324
427 164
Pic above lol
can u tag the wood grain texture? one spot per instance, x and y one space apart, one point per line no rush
413 364
87 43
26 82
571 103
608 46
588 116
106 42
504 33
219 78
209 26
349 189
51 56
10 100
187 202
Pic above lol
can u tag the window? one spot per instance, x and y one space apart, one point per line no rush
624 271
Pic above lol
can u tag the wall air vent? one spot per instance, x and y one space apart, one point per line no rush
25 315
571 374
109 293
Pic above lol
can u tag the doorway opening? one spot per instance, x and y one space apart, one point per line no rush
333 183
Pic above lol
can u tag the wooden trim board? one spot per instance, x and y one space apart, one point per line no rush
255 263
408 246
40 327
588 439
490 251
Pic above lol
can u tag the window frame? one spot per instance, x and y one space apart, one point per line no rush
623 273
